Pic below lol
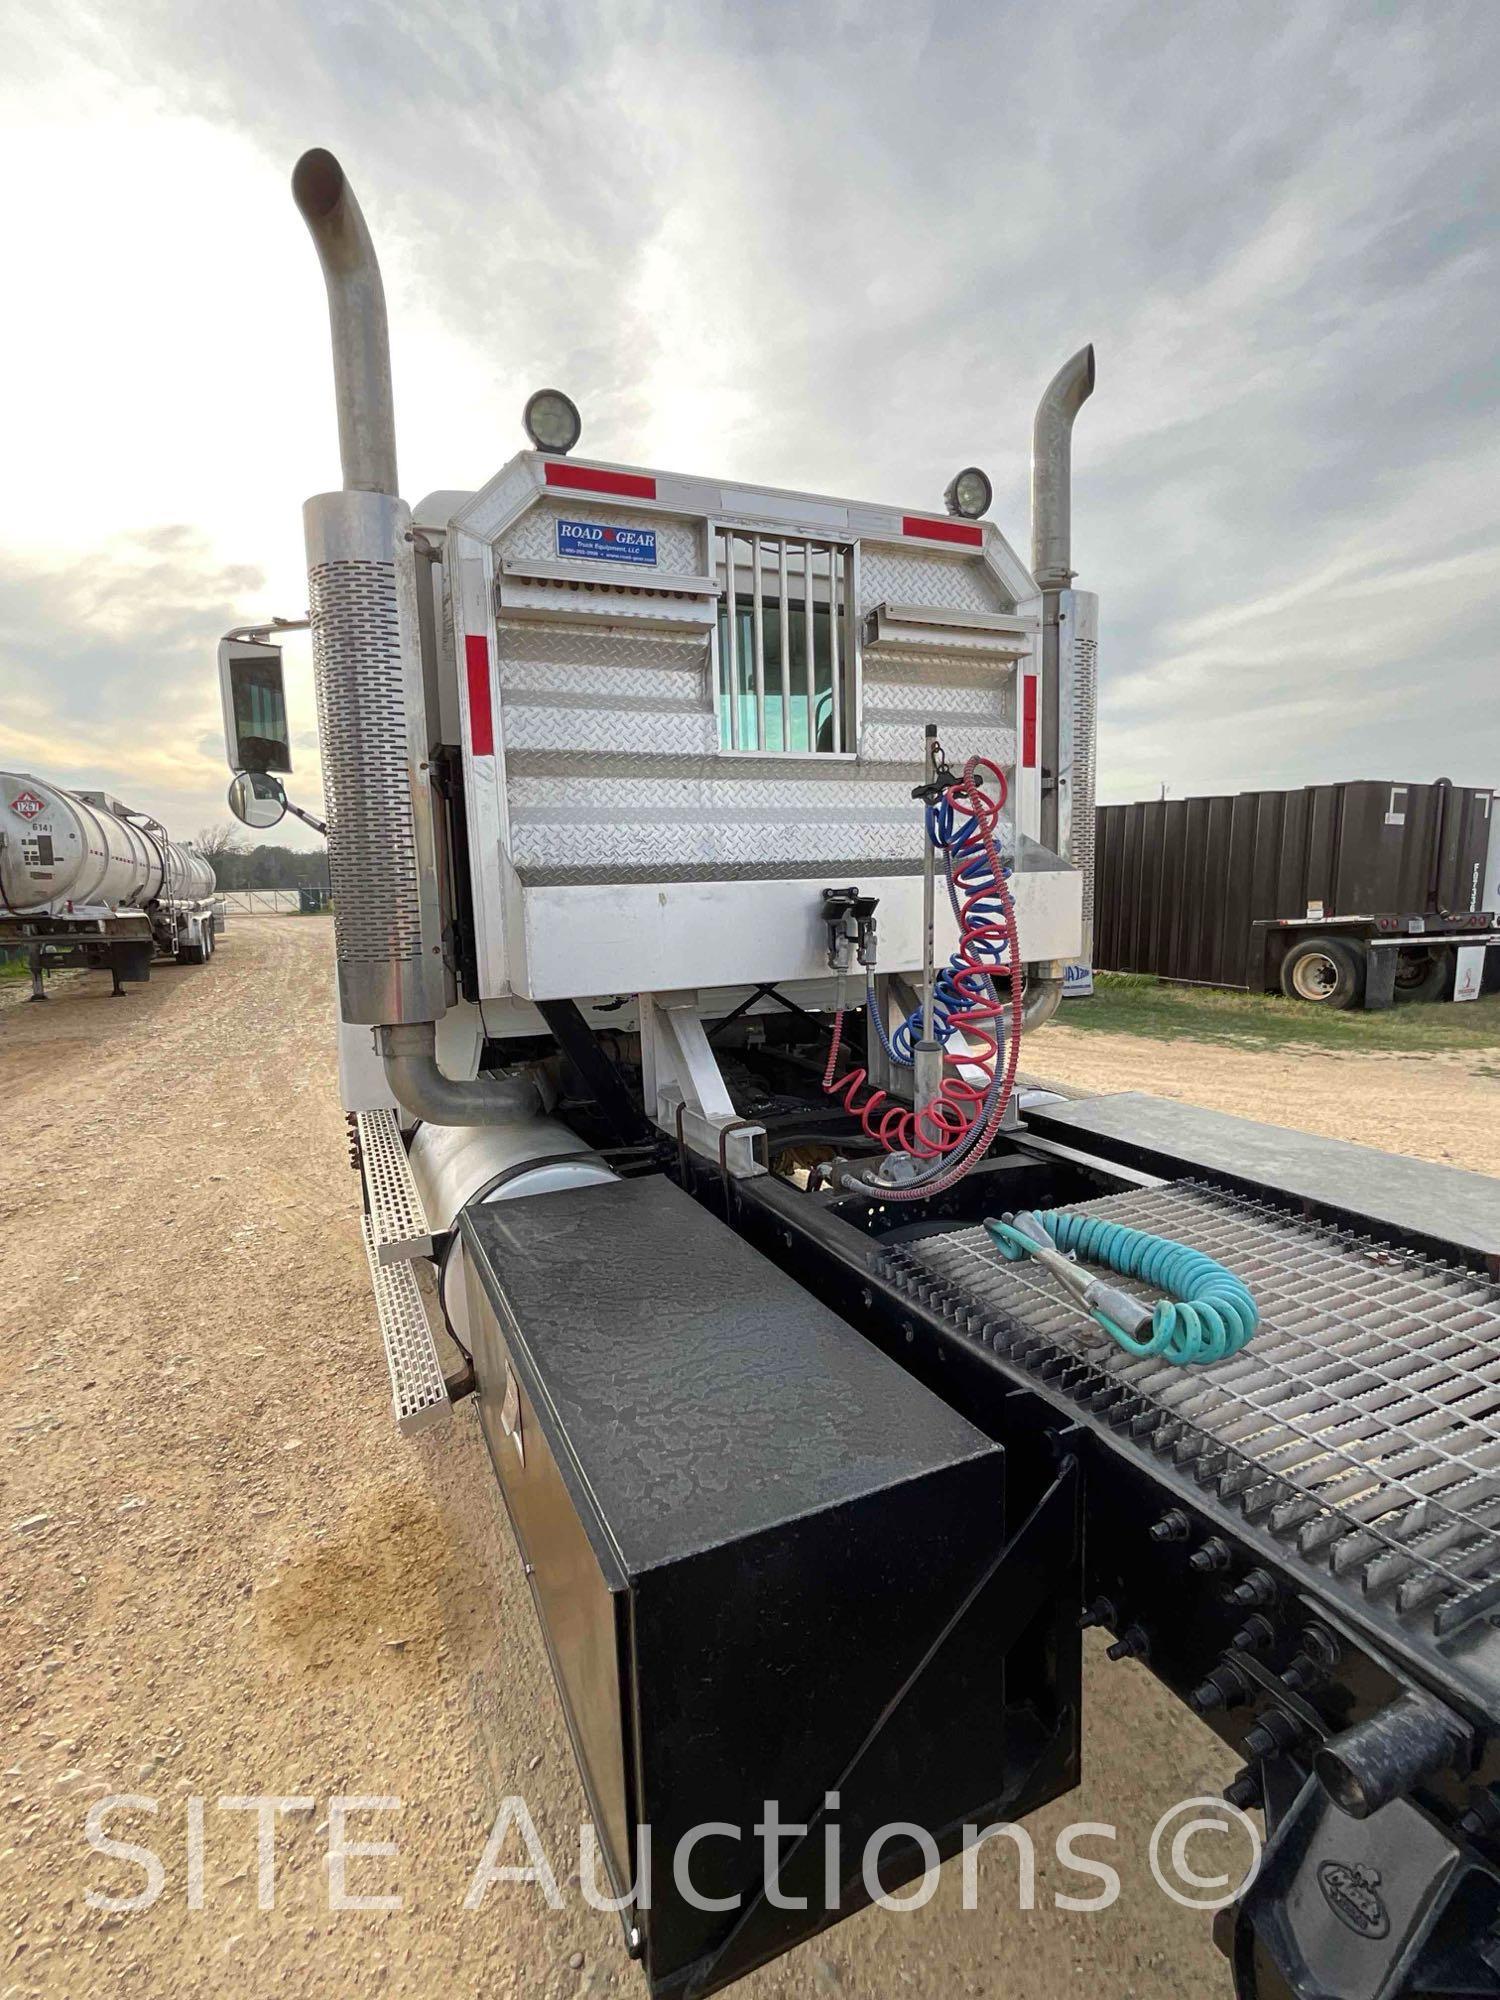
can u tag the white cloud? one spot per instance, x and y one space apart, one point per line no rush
839 248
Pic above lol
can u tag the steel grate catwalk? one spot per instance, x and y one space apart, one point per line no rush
1361 1426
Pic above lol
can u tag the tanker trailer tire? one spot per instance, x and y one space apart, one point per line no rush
1424 973
191 954
1327 971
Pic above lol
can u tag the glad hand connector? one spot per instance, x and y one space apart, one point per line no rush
850 918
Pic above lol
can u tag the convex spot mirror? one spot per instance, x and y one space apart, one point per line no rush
256 799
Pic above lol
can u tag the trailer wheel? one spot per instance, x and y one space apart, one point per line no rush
190 954
1423 972
1325 970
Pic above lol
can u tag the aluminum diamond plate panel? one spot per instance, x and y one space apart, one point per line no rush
699 787
537 682
563 646
655 729
901 743
613 764
534 537
789 845
900 575
904 701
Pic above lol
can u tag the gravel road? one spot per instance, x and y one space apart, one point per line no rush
226 1577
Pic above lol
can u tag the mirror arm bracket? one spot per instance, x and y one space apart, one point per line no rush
305 817
267 626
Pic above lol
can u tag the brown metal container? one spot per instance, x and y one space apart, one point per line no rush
1182 885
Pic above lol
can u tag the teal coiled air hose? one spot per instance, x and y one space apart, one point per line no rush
1209 1317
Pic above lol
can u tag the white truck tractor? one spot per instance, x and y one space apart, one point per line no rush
703 855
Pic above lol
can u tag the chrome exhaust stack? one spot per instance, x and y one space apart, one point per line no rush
356 311
1070 632
367 656
1052 470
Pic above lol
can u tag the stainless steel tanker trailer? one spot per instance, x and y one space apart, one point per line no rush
86 881
703 857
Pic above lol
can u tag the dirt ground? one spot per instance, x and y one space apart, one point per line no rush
226 1577
1438 1105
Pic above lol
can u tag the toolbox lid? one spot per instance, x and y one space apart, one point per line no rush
692 1392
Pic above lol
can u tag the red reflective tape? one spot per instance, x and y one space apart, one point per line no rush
481 710
589 479
1028 721
967 533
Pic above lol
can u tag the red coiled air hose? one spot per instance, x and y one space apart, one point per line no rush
950 1122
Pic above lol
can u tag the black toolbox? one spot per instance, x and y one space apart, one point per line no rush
769 1565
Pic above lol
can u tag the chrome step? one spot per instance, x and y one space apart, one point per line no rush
419 1396
398 1219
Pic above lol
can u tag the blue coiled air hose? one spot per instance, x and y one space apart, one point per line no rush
1211 1314
955 835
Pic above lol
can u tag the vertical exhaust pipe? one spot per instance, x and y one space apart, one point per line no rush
1052 470
356 313
1070 621
367 659
367 651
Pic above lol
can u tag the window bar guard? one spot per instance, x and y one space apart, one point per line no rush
731 650
807 648
786 656
758 642
835 684
746 669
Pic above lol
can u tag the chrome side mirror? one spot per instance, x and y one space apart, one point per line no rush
256 733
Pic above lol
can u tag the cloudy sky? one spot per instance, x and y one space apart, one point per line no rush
837 246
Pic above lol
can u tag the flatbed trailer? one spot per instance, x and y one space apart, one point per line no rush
702 856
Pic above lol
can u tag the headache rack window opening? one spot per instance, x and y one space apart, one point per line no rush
787 659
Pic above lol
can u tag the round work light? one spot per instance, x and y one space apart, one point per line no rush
552 421
969 493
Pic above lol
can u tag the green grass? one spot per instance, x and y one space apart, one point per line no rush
1129 1003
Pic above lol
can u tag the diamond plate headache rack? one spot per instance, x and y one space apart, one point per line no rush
1360 1427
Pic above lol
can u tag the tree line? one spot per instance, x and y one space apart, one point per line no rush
238 865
